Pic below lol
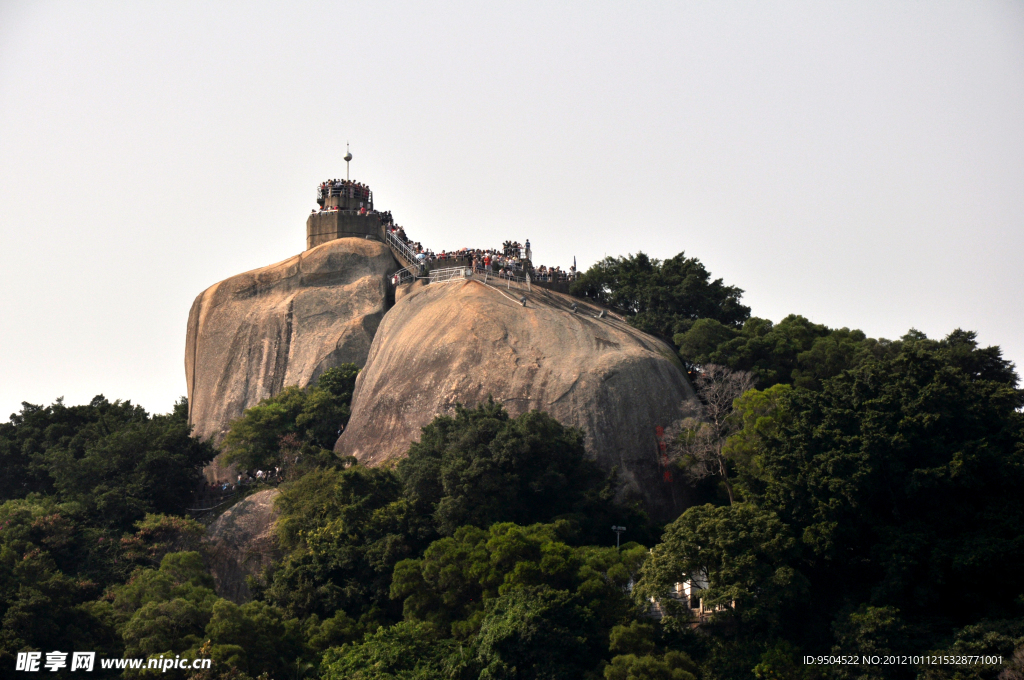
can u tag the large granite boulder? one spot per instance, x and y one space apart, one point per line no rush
253 334
462 341
242 542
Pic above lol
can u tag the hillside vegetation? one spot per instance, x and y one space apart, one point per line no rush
869 501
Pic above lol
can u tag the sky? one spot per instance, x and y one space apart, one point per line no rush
858 163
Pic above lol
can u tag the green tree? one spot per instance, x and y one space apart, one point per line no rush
537 632
113 461
314 416
869 631
451 585
793 351
636 639
781 662
157 535
107 469
254 637
335 631
165 610
480 466
661 297
173 611
740 555
406 651
40 604
993 638
672 665
29 435
343 531
760 416
149 465
903 477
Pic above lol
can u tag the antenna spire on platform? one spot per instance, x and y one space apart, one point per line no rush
348 157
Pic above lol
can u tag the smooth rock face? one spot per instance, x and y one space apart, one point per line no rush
241 542
253 334
462 341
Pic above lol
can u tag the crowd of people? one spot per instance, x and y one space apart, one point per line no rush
515 249
516 260
362 211
512 261
343 187
554 274
399 232
211 494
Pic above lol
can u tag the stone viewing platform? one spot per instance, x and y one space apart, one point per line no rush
328 225
346 211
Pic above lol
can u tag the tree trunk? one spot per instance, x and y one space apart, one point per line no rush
725 475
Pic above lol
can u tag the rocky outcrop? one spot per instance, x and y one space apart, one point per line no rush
241 542
462 341
251 335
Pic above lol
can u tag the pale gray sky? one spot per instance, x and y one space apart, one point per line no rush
859 163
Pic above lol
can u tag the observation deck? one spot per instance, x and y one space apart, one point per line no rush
344 194
346 211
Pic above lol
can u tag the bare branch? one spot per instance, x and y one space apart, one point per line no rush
697 437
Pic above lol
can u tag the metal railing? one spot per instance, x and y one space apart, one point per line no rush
403 276
508 279
211 503
403 249
451 274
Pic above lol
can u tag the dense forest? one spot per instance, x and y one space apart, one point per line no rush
864 498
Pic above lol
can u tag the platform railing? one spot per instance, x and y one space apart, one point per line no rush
507 279
450 274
